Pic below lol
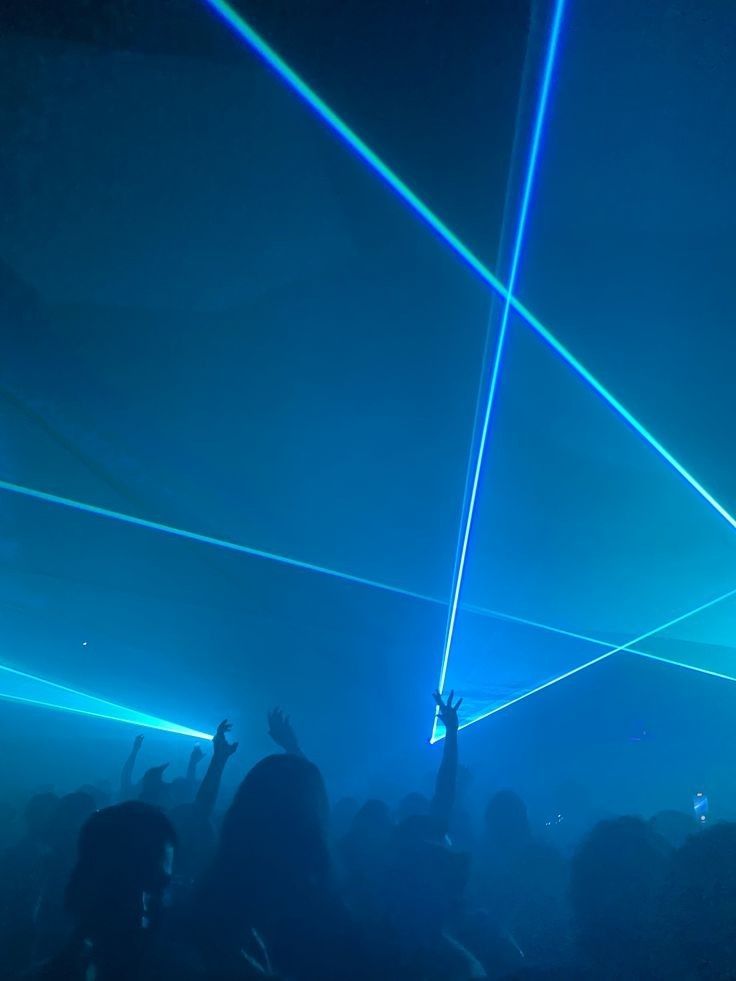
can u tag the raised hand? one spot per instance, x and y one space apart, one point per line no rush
196 756
447 712
282 732
137 743
222 750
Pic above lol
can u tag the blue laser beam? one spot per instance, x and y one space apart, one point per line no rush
477 466
481 611
596 660
71 700
267 54
155 723
161 726
115 712
248 550
683 664
194 536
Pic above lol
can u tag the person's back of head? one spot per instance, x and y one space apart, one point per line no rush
272 873
100 792
700 905
273 846
674 826
412 805
616 886
124 861
507 820
363 848
154 790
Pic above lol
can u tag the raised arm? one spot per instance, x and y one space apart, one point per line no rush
444 791
126 776
282 732
195 758
222 750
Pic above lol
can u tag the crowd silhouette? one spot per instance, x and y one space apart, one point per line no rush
281 885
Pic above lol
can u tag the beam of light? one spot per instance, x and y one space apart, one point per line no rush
155 723
133 720
595 640
682 664
596 660
109 710
477 465
267 54
26 688
194 536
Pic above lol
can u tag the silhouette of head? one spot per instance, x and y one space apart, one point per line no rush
674 826
100 792
616 885
364 846
412 805
123 867
154 789
700 904
507 821
273 841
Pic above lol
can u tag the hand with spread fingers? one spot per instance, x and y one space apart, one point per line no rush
447 712
282 732
222 750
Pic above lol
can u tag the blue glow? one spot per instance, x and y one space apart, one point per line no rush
277 64
682 664
596 660
110 710
204 539
622 411
52 695
498 356
594 640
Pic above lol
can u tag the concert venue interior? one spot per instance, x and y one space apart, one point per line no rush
354 350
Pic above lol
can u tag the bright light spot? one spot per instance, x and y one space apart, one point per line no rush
29 689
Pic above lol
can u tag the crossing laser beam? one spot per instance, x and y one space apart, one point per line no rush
195 536
477 465
481 611
110 710
682 664
277 64
596 660
30 689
